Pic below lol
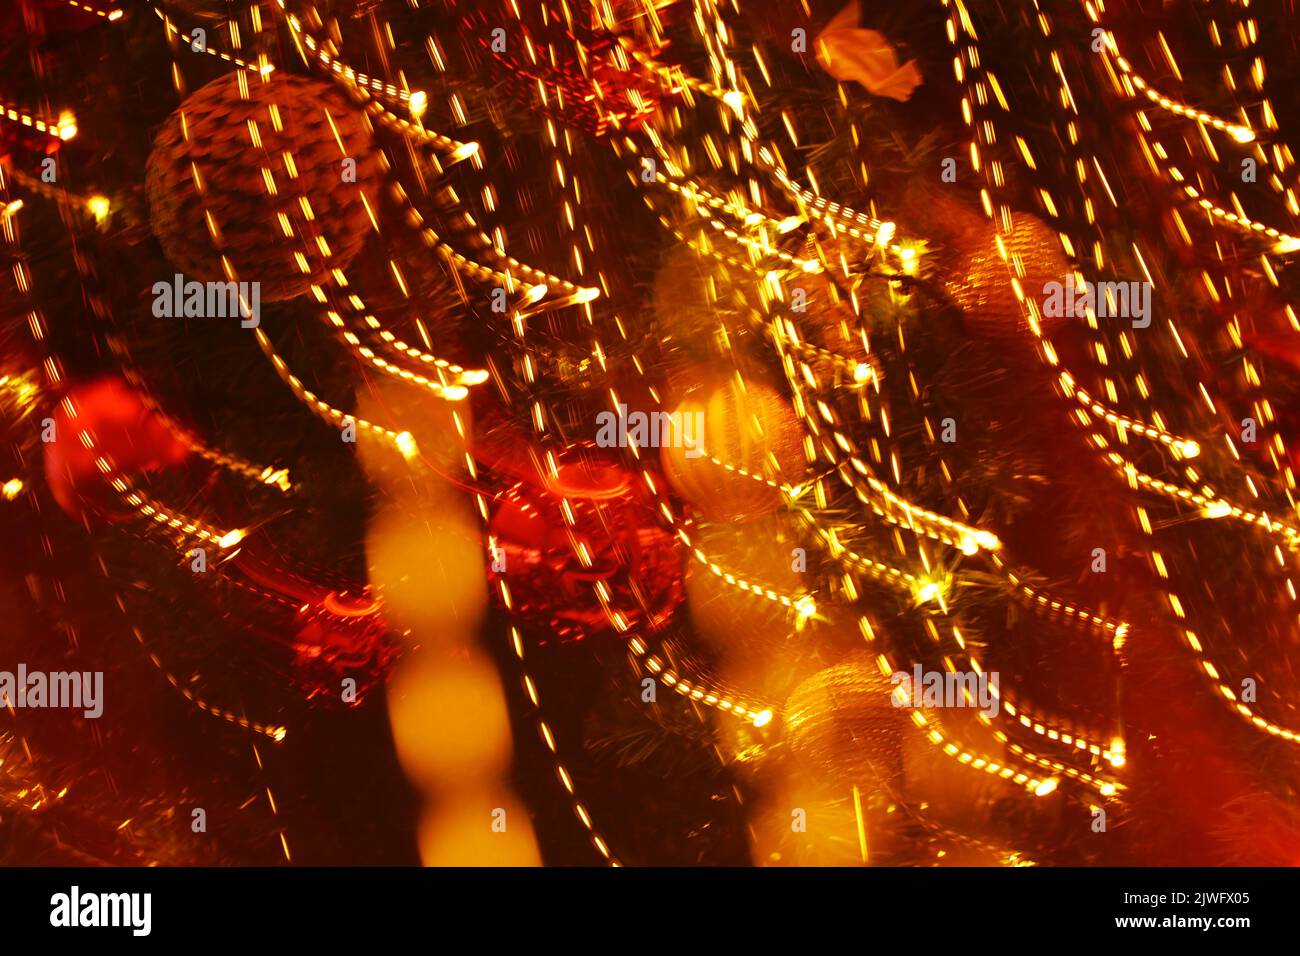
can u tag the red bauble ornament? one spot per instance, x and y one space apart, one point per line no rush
342 638
125 433
339 632
633 560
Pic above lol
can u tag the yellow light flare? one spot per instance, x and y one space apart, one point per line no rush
67 128
1118 756
99 207
929 590
406 444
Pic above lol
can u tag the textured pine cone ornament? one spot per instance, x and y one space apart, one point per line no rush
842 723
236 191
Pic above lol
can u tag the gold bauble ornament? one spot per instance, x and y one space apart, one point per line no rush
979 282
738 437
843 725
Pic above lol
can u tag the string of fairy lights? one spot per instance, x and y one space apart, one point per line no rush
333 316
932 590
52 368
1216 509
931 587
1210 505
733 102
1114 753
1261 406
1278 454
741 239
1051 732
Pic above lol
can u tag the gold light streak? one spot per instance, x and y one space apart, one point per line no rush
95 206
1284 242
360 85
561 772
110 15
1110 49
275 732
962 536
158 514
842 218
1104 787
725 701
460 376
63 128
476 270
264 69
417 102
897 578
803 604
450 392
1040 725
1181 447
